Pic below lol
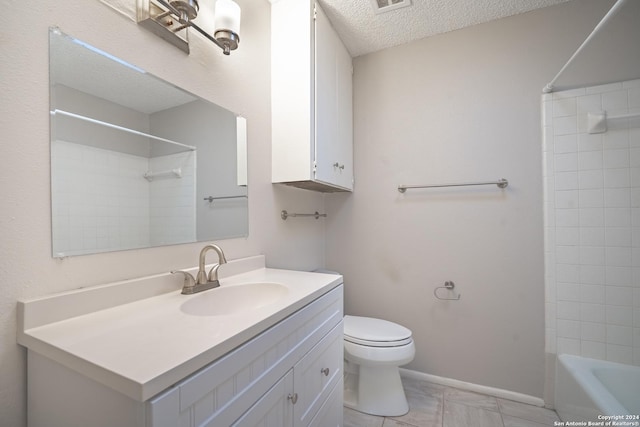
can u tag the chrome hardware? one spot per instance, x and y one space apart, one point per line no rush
158 18
228 39
211 198
449 285
338 165
284 215
202 277
325 371
293 397
501 183
203 281
191 287
189 280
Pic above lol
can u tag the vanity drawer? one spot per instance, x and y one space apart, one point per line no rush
316 375
222 391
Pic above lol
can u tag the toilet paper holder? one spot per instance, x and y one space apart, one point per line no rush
448 285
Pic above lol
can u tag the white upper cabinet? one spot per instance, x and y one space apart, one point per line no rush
312 107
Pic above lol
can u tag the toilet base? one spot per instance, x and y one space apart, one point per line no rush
375 391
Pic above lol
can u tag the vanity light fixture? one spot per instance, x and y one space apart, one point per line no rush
170 20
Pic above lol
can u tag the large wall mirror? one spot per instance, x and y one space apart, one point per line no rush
135 161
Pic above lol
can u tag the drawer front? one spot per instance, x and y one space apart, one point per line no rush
222 391
316 375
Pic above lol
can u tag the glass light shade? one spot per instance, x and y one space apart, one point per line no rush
227 16
206 18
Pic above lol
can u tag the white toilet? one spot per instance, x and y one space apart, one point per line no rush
373 351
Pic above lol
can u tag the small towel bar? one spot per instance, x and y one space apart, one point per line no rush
210 199
284 215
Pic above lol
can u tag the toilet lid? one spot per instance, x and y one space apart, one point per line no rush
375 332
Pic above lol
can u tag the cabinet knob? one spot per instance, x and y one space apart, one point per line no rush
325 371
293 397
338 165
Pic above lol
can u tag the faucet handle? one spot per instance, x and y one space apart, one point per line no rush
213 274
189 280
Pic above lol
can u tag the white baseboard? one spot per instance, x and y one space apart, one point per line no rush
477 388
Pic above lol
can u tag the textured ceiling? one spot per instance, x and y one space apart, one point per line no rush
363 30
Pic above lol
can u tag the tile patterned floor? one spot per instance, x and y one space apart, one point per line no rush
433 405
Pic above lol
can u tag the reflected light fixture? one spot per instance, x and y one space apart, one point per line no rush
170 20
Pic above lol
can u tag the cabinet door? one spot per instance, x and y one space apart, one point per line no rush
274 409
344 104
333 99
316 375
331 414
292 90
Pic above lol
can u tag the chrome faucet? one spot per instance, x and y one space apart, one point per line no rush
202 281
213 273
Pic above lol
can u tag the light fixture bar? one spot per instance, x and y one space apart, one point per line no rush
226 49
162 23
184 19
227 39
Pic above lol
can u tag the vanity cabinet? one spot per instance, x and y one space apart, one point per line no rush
312 99
288 375
306 395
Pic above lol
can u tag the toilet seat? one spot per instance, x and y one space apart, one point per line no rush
372 332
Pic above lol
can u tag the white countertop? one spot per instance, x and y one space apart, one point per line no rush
142 347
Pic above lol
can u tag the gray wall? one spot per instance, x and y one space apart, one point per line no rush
459 107
212 130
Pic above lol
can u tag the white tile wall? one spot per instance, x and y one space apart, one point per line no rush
172 201
102 191
101 201
592 224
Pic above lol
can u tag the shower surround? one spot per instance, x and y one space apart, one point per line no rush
592 223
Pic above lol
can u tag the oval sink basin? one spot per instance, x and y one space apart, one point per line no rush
234 299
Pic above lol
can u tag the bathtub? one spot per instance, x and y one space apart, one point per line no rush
593 390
